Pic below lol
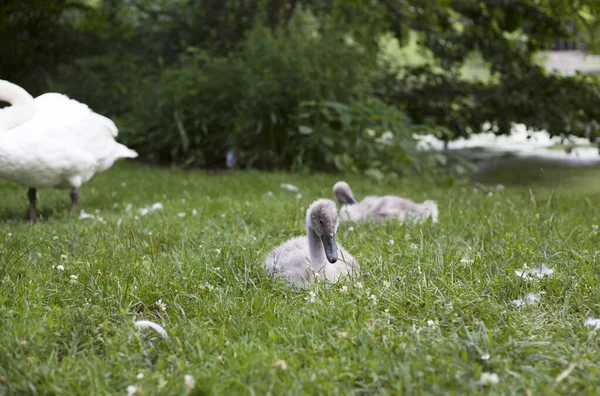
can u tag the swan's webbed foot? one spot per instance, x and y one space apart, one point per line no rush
74 199
32 213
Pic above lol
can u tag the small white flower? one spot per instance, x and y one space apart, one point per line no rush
391 242
358 285
217 269
194 212
64 256
373 299
344 289
281 365
190 382
269 193
181 214
466 260
207 286
161 305
9 234
311 298
132 390
218 250
413 246
144 211
55 237
157 206
431 323
490 194
61 268
140 376
386 284
298 196
485 356
350 229
342 334
73 279
488 379
592 322
223 214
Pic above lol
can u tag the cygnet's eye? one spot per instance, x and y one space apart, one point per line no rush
321 221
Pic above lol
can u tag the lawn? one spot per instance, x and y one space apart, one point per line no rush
433 308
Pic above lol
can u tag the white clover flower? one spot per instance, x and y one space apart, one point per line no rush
311 298
488 379
190 382
344 289
391 242
73 279
431 323
350 229
194 212
140 376
281 365
161 305
485 356
181 214
61 267
373 299
358 285
132 390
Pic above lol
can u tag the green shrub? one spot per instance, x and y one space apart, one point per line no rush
194 113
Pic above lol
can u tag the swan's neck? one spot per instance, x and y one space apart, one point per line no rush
22 109
316 250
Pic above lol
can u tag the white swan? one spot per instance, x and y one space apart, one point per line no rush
301 258
53 142
379 209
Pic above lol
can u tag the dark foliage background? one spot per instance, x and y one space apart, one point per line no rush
301 84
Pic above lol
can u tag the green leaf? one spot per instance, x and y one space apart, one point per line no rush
305 130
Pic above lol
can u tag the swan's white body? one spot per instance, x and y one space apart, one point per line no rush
54 141
382 208
301 260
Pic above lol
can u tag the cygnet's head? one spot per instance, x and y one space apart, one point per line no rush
343 193
322 219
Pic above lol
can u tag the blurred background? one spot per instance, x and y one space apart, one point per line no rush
378 87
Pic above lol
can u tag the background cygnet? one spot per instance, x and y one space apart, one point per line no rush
379 209
316 255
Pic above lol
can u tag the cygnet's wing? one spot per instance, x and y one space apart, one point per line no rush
291 260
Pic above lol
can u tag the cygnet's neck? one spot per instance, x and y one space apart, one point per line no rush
315 249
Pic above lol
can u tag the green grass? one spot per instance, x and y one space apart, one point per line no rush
228 322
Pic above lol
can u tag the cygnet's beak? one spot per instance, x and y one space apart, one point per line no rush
344 198
330 247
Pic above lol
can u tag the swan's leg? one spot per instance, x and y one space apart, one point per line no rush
33 213
74 199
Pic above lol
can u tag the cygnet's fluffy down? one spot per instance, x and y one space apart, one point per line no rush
379 209
302 259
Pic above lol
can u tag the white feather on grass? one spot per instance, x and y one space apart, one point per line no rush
145 324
